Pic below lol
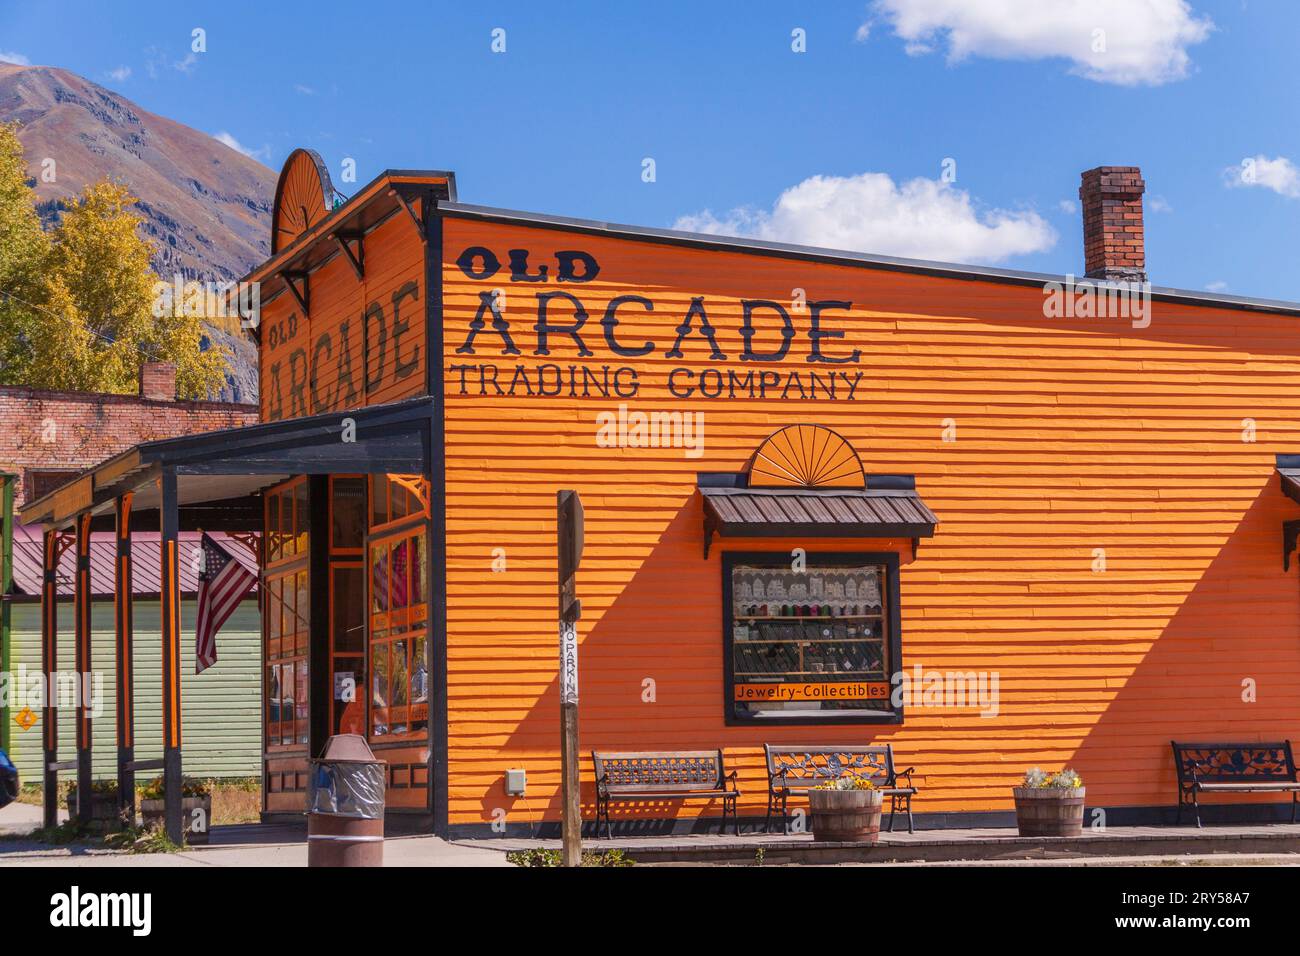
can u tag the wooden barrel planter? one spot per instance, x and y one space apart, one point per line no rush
1049 811
154 814
104 816
845 816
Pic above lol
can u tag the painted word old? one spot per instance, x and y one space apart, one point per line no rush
767 329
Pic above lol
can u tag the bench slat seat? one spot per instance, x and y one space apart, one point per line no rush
662 775
887 791
1257 767
794 770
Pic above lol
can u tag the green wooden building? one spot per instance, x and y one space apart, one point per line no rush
221 723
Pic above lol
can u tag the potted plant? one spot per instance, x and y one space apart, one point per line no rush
196 808
104 815
845 810
1050 804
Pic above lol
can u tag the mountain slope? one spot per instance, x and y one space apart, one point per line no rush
206 207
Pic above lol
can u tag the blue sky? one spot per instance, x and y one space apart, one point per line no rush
1018 94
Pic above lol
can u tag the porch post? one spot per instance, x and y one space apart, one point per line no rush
124 670
6 582
82 655
50 663
169 586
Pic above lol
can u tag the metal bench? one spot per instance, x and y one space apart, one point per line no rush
793 771
663 775
1234 768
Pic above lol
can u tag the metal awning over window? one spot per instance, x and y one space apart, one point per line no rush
1288 474
807 481
891 510
1288 477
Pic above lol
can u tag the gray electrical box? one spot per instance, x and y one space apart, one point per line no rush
516 782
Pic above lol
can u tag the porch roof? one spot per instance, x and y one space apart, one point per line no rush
145 565
219 473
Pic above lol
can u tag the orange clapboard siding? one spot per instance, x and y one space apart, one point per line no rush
322 363
1066 436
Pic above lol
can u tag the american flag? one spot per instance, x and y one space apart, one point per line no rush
223 581
380 577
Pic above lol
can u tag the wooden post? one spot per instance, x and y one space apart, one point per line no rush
569 556
50 663
6 583
82 656
124 671
169 584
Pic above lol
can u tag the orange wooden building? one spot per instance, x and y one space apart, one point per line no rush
1052 510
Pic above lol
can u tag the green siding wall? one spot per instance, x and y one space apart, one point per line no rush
221 731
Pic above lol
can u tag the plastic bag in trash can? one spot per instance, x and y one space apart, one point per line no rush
347 781
347 789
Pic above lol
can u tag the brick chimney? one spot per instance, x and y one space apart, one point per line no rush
158 381
1113 242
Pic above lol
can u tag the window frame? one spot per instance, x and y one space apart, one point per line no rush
275 575
391 534
893 639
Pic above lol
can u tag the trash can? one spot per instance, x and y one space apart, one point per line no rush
345 805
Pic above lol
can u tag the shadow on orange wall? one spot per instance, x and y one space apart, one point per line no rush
645 685
1237 629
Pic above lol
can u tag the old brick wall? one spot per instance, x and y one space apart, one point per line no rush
47 430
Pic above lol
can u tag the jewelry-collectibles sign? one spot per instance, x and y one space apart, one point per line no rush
840 690
524 306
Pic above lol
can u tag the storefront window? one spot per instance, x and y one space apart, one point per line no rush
398 617
286 616
395 498
816 645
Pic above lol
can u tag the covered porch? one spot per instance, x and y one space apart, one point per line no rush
213 481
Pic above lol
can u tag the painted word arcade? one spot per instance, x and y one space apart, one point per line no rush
944 459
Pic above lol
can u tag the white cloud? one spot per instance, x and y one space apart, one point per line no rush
187 65
1278 174
251 153
15 58
120 75
920 218
304 89
1217 286
1159 204
1128 42
1068 206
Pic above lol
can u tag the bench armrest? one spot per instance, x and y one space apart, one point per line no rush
905 773
731 776
601 782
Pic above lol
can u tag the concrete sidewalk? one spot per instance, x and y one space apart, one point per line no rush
246 845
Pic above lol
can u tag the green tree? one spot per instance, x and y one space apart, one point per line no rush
81 300
24 251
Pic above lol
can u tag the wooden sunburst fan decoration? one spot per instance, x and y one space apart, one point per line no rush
303 197
808 456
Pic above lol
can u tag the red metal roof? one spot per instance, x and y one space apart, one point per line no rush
103 552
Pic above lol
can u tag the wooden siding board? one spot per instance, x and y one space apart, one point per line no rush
1073 435
221 717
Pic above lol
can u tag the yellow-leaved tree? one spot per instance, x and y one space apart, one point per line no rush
86 322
